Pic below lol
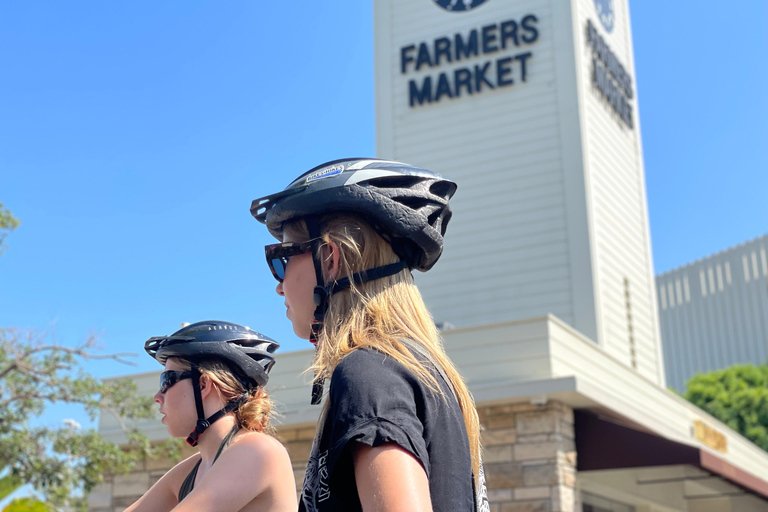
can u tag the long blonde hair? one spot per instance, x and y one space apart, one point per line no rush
379 313
252 415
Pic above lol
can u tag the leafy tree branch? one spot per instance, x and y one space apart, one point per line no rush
737 396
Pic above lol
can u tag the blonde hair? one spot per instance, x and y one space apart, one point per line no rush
252 415
380 313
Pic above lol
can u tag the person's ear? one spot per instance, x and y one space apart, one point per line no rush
331 260
205 386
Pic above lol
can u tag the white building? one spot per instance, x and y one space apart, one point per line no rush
714 312
530 105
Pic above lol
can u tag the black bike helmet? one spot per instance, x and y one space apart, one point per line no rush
249 354
407 205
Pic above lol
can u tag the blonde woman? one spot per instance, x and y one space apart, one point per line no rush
399 430
212 393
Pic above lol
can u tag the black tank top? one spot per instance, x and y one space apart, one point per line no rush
189 482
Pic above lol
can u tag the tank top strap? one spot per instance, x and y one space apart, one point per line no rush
227 441
189 482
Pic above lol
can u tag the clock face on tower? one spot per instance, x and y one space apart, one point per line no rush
459 5
606 13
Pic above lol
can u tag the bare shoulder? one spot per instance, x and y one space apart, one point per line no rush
261 445
254 467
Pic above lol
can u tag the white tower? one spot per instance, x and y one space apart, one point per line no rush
531 106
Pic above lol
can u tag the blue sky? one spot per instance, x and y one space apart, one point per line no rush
134 135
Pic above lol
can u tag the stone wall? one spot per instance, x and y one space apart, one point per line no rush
529 456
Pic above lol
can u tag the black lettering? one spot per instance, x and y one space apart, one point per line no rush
424 57
503 68
591 34
465 48
613 66
528 24
425 94
443 47
489 37
598 75
443 87
405 57
462 77
523 57
480 76
611 92
509 31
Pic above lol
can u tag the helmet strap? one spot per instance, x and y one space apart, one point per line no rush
320 297
202 422
320 293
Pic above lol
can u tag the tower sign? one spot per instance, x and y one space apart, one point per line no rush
530 106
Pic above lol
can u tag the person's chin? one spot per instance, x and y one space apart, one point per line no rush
302 333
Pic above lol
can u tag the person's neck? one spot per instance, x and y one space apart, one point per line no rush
211 439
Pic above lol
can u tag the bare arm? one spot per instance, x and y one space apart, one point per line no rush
389 479
164 495
256 466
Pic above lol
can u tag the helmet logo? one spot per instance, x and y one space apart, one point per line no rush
325 173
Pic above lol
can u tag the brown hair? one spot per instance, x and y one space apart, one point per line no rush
255 413
380 313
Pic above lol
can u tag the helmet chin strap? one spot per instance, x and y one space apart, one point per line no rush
202 422
323 293
320 296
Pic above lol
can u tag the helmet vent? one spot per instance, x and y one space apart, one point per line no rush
393 182
444 189
414 203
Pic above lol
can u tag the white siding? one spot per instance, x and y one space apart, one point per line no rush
506 254
550 216
618 206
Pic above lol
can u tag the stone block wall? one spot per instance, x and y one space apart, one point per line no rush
529 456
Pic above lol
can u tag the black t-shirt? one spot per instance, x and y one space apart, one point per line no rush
374 400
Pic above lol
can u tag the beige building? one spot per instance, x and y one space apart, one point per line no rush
530 106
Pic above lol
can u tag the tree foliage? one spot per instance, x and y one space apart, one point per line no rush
7 224
737 396
62 463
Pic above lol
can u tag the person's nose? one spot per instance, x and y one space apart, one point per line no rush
279 289
158 397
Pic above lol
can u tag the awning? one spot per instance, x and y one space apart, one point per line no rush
604 443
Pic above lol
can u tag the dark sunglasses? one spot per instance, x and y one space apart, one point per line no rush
170 377
278 254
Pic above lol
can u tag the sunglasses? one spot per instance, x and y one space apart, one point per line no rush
278 254
170 377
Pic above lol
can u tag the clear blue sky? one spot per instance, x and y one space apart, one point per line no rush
134 135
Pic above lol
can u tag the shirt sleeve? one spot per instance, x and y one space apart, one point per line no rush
375 400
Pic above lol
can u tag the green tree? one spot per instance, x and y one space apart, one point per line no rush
62 463
7 224
737 396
